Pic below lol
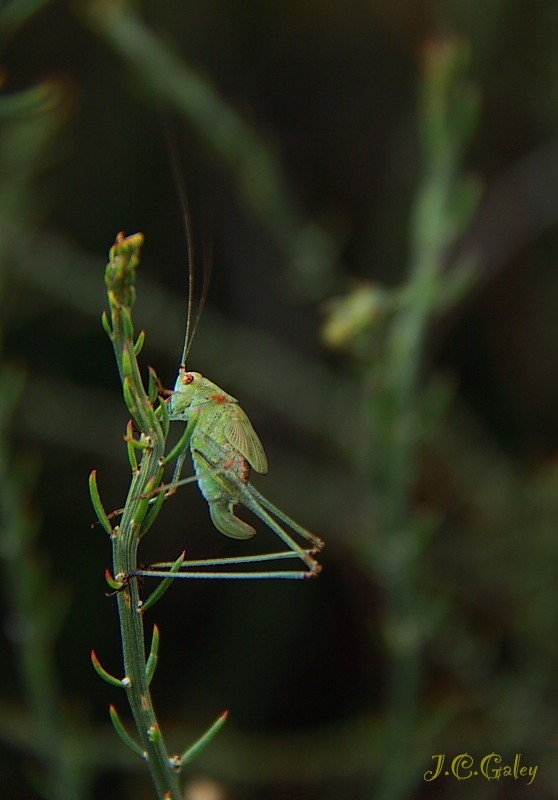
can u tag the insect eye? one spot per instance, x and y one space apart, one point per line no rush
187 378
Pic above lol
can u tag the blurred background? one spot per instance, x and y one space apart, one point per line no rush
376 187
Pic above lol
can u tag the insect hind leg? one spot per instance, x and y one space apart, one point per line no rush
251 499
259 505
304 532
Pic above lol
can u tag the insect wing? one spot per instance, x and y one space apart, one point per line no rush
240 433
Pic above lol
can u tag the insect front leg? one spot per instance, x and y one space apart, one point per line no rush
177 471
179 451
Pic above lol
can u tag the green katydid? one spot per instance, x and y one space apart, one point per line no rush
224 447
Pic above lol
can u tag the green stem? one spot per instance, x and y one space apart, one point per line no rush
125 545
35 608
433 228
120 277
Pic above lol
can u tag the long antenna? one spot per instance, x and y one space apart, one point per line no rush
178 176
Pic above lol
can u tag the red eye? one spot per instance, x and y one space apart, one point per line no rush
187 378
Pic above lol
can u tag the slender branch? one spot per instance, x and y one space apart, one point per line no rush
35 608
250 159
120 281
442 208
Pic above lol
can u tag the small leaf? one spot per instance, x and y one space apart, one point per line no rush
127 323
97 504
164 585
204 740
112 582
154 385
153 655
106 676
143 443
131 446
146 499
140 511
129 397
162 413
127 367
153 512
105 322
139 343
123 733
154 734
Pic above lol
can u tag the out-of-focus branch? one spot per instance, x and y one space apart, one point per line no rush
310 250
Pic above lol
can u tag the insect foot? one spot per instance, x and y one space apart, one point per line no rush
314 571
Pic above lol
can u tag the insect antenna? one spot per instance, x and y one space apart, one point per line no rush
207 262
178 176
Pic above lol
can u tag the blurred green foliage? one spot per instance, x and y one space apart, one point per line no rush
426 459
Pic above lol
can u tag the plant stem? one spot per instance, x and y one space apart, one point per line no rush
434 225
125 545
120 280
35 608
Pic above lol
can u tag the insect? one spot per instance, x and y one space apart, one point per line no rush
224 448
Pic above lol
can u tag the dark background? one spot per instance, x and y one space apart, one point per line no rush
304 667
